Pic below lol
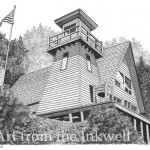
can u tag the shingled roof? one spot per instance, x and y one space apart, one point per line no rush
29 88
111 60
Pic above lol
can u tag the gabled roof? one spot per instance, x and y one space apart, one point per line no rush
29 88
109 63
74 15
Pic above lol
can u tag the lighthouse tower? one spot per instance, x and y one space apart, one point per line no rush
74 73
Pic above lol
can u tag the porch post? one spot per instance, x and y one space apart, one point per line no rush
82 115
147 134
70 118
141 128
134 124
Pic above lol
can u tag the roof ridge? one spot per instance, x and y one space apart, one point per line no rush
117 44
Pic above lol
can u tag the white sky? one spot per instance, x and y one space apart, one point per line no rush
129 18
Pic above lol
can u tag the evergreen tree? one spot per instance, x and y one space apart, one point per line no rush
16 58
14 116
143 73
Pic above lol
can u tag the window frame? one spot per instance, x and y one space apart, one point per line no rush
67 32
91 93
87 56
124 86
65 62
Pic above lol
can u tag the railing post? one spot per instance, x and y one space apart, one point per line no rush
141 128
87 36
134 124
147 134
57 39
82 115
70 118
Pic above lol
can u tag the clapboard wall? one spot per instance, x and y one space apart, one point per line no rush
69 88
121 93
87 78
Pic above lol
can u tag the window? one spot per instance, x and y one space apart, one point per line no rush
129 105
64 61
133 108
123 82
119 79
127 85
88 62
70 29
119 100
125 103
91 93
117 83
115 98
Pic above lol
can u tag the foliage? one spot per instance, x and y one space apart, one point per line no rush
17 54
102 119
108 122
13 115
36 40
58 132
143 73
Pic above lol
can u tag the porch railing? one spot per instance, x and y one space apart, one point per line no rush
108 91
75 33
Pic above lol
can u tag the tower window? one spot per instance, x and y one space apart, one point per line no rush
91 93
88 62
70 29
64 61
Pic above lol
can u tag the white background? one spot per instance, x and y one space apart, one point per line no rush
129 18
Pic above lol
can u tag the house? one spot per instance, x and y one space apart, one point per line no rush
83 75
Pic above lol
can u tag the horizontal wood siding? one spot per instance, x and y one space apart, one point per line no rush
87 77
120 92
62 89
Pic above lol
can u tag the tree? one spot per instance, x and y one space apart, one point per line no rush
108 122
14 116
16 60
143 73
36 41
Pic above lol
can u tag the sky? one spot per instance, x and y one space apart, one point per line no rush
115 18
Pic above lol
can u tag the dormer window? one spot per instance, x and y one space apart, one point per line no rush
70 29
123 82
